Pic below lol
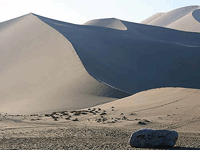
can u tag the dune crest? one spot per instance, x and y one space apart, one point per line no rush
152 18
108 23
40 71
185 19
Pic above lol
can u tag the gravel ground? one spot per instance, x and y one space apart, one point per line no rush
80 138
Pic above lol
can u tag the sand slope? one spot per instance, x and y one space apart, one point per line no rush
139 58
108 23
152 18
167 108
40 71
190 22
185 18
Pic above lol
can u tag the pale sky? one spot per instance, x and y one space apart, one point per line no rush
80 11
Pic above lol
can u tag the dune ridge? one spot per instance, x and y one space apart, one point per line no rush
108 23
59 65
185 19
40 71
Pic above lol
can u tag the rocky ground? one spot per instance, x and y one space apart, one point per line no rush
92 128
61 137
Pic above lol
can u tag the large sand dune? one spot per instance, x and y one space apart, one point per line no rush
139 58
185 18
40 71
49 65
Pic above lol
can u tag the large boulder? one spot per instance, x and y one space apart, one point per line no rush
148 138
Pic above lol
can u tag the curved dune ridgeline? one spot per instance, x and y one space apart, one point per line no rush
184 19
40 71
49 65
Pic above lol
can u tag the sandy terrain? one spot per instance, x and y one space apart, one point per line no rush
108 23
68 86
185 19
108 126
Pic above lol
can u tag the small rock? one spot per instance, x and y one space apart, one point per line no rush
68 118
47 115
148 138
99 109
103 113
65 113
76 119
77 113
83 113
142 123
132 114
124 118
112 107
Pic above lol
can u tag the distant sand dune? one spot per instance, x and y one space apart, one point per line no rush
109 23
185 18
152 18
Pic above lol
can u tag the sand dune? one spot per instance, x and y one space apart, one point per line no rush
49 65
190 22
185 18
108 23
167 108
152 18
40 71
119 58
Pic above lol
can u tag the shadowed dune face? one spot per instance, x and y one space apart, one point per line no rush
196 15
108 23
40 71
140 58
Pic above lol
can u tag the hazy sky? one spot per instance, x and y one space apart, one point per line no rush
80 11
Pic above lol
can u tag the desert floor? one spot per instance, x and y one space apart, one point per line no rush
107 126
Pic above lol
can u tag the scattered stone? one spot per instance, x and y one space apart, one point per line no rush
68 118
77 113
148 138
98 120
47 115
122 114
55 119
142 123
132 114
124 118
83 113
76 119
65 113
89 109
99 109
103 113
73 111
112 107
112 121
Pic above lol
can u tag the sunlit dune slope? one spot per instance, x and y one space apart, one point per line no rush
40 71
